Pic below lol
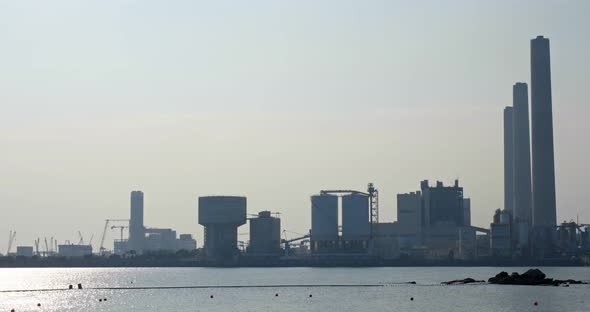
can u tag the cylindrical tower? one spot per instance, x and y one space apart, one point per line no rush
221 216
544 206
324 222
265 234
136 227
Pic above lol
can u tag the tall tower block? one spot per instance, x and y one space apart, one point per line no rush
544 204
509 159
522 155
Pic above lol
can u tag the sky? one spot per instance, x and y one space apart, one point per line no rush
273 100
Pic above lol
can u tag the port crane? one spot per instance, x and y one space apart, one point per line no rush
11 237
37 247
104 232
46 248
81 242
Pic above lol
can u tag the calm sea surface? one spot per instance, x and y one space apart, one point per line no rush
393 295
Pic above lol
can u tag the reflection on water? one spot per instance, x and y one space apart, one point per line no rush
393 296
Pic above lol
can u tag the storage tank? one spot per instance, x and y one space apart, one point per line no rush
221 216
222 210
324 217
265 234
355 217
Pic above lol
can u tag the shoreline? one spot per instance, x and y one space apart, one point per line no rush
143 262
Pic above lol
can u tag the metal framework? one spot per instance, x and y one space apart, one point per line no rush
374 206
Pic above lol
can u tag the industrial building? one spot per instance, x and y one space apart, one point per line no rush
265 234
442 204
467 243
74 250
186 242
466 211
386 242
24 251
221 216
324 223
355 222
501 234
409 219
433 217
359 213
144 239
159 240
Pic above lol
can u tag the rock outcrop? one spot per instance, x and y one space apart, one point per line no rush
531 277
468 280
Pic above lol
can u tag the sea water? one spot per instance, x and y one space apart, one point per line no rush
284 289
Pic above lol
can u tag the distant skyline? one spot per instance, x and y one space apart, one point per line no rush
273 100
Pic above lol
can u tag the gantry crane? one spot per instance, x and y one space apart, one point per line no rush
81 242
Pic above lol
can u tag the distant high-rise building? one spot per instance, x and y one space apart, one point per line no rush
509 158
136 227
544 204
522 211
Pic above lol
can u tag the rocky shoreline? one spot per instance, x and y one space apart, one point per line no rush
532 277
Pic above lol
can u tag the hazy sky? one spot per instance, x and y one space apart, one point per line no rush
274 100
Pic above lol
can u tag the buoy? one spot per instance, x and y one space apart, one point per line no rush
12 310
105 299
276 295
38 304
536 303
411 298
99 300
211 296
310 296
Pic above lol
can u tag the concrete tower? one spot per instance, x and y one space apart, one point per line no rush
544 206
508 159
522 155
221 216
136 228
